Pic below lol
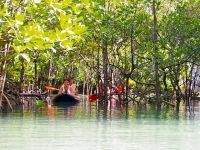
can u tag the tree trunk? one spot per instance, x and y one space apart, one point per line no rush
50 72
105 70
36 72
3 71
84 84
155 41
21 85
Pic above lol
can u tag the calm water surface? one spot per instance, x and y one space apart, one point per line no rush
86 127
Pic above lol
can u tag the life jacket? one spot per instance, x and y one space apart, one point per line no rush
66 91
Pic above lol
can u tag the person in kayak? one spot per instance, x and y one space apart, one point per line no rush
65 88
69 88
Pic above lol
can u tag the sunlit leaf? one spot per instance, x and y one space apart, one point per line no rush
19 49
67 44
79 18
15 2
53 49
86 2
37 1
25 56
57 5
48 45
132 82
70 31
66 2
64 20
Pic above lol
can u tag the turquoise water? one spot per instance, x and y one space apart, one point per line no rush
92 128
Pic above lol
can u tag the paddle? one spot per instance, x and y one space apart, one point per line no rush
93 98
120 90
51 88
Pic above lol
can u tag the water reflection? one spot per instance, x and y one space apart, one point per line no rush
50 111
106 110
99 126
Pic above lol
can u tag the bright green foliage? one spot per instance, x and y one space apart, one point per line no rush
40 103
75 34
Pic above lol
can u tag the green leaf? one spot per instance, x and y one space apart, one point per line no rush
61 35
83 29
76 9
86 2
58 5
79 18
67 44
103 30
40 103
25 56
19 17
64 20
37 1
15 2
2 11
48 45
19 49
66 2
69 31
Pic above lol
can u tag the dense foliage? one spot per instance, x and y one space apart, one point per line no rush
148 47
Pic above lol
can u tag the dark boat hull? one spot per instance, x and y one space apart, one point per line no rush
65 99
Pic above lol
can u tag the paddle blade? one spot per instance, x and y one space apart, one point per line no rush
50 88
120 90
93 98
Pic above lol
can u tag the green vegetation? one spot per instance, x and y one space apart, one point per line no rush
150 47
40 103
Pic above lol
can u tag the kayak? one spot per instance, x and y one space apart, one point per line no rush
64 98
